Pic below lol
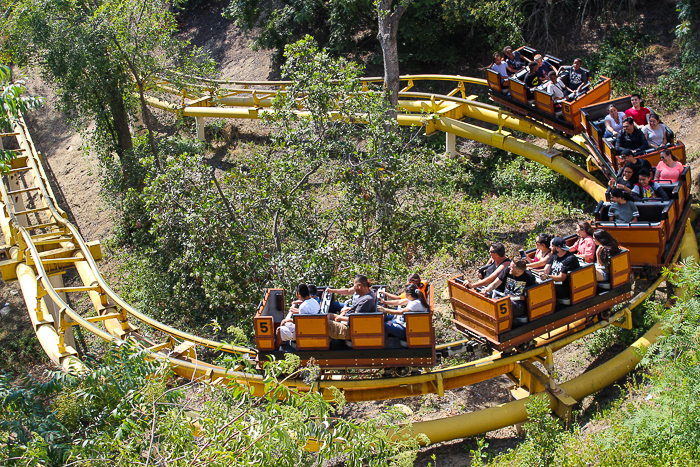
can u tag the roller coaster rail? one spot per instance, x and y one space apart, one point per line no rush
39 260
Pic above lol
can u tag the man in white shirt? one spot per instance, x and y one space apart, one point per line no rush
308 306
555 87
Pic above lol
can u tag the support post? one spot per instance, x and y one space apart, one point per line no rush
200 128
450 144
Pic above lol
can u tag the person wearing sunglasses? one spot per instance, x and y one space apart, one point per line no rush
498 262
669 169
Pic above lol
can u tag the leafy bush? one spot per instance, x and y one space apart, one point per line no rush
658 424
619 57
123 412
677 88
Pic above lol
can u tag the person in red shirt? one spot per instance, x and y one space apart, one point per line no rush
639 114
585 245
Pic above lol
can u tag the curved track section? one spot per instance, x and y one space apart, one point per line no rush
44 244
437 112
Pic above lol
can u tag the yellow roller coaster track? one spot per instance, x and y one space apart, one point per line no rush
43 244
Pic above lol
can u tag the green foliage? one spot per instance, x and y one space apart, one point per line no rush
329 197
680 85
93 54
678 88
658 425
643 318
350 26
619 57
13 104
123 412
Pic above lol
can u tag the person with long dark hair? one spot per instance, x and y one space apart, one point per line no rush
542 254
669 168
607 248
655 131
401 300
394 322
585 245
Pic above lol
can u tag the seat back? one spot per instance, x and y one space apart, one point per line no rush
596 92
683 187
494 79
582 283
517 90
620 269
326 299
654 156
312 332
419 329
367 330
544 102
672 190
541 299
645 241
554 61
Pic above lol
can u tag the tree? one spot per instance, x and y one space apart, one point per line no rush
94 54
13 104
125 411
388 17
332 194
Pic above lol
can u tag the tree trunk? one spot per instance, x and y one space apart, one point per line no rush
149 125
388 32
120 120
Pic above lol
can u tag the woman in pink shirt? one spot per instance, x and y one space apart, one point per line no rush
585 245
668 169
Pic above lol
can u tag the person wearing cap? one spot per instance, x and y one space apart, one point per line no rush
559 266
626 159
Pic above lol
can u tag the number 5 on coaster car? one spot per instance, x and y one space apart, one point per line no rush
368 346
491 321
564 116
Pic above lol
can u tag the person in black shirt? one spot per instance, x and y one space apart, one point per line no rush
559 266
630 139
578 78
513 59
637 164
498 262
532 80
625 179
516 279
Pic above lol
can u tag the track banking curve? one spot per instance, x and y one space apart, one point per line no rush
36 260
